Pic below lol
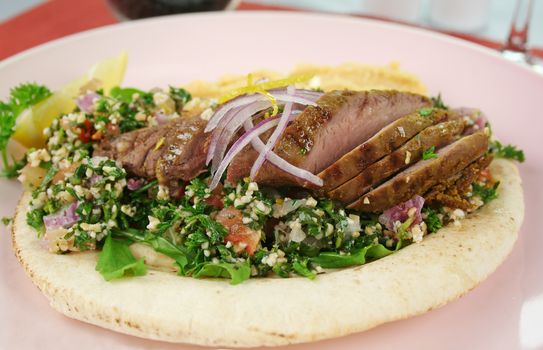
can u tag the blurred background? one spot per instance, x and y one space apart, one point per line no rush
25 23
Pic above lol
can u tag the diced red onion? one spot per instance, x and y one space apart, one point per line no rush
281 163
86 102
281 126
94 179
161 118
64 218
133 184
240 143
400 213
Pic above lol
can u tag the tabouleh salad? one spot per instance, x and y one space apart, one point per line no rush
203 216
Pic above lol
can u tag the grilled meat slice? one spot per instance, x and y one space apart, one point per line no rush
382 143
169 152
424 174
133 161
320 135
185 152
452 192
437 135
117 147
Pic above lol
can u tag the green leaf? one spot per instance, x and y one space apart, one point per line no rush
429 153
22 97
300 266
507 151
437 102
236 273
27 95
424 112
486 193
181 256
116 261
125 94
180 96
331 260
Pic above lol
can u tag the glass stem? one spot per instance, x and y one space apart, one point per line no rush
518 35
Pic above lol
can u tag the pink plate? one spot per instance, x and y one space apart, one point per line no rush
504 312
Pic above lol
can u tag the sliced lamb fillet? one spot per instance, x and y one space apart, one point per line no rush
452 192
437 135
385 141
322 134
145 141
117 147
420 177
174 127
184 157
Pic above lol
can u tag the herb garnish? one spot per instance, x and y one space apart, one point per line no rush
21 98
424 112
507 151
432 220
486 193
437 102
429 153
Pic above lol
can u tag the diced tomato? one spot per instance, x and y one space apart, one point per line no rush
86 131
486 175
242 237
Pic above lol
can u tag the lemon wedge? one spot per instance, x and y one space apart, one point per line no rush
30 124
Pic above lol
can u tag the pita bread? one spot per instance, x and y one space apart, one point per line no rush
277 311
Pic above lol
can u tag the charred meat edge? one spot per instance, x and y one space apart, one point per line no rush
424 174
438 136
452 191
384 142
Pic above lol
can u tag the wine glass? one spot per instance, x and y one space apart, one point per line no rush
515 47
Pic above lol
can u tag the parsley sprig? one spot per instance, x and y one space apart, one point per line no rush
429 153
21 97
507 151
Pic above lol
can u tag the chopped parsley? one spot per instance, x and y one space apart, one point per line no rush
507 151
6 220
180 96
429 153
432 219
487 193
424 112
437 102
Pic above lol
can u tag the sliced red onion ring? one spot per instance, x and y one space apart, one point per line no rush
281 97
283 122
86 102
64 218
240 143
280 162
400 213
233 121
